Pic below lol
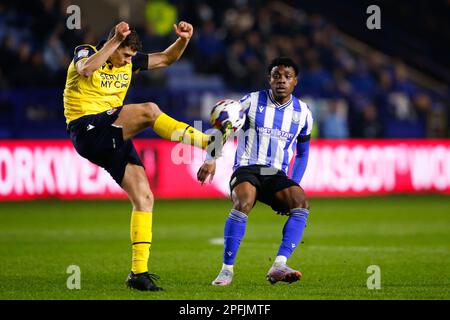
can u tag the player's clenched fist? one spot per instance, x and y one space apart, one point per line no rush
122 31
184 30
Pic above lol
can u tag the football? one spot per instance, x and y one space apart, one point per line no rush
227 113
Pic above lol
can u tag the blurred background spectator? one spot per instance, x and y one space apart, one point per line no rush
358 83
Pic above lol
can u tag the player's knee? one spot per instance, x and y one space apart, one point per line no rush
243 205
299 201
150 111
306 204
144 202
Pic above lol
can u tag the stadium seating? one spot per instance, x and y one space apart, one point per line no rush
232 45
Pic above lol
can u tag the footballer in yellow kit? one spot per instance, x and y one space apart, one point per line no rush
101 127
105 89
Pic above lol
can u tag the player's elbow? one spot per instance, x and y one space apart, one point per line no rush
302 156
85 72
159 60
84 69
168 59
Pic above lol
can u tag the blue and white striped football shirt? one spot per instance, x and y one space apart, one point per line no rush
269 135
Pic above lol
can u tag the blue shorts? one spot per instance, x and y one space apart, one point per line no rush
96 139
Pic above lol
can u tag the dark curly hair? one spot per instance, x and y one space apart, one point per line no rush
282 61
132 40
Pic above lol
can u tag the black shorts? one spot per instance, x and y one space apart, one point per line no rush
96 139
267 182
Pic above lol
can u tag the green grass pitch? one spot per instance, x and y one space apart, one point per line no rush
408 237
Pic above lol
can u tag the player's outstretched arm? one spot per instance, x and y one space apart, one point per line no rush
87 66
165 58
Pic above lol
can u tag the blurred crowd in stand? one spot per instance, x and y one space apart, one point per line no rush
353 93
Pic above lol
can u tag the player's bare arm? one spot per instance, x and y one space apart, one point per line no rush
165 58
86 67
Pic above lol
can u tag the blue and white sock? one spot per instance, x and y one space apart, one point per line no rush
292 232
233 234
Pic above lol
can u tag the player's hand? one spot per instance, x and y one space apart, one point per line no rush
184 30
208 168
122 31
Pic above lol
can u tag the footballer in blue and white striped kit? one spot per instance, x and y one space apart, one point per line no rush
277 124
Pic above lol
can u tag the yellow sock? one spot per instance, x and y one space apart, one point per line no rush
171 129
141 239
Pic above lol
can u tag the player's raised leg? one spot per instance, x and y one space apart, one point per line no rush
293 198
136 185
134 118
243 197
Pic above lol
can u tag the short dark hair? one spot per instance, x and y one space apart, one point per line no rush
132 40
282 61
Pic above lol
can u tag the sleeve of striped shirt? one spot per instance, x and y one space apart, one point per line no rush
245 101
307 128
301 161
301 158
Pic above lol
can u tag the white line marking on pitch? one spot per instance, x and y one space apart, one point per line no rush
216 241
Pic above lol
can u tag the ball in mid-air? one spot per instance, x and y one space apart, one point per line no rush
227 114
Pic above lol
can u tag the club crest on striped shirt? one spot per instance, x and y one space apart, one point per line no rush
296 117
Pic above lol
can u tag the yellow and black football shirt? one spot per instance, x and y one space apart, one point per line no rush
106 88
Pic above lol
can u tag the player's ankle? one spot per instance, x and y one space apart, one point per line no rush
280 260
228 267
